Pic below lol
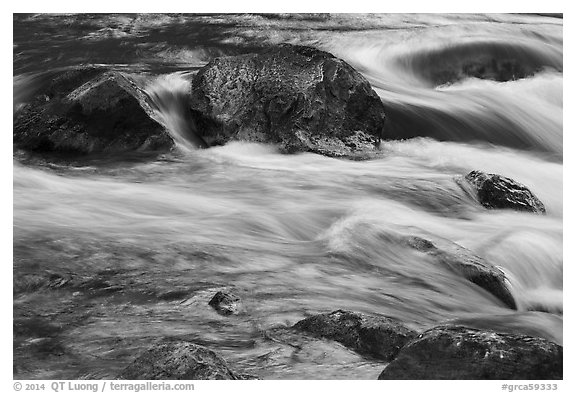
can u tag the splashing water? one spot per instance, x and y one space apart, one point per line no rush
169 94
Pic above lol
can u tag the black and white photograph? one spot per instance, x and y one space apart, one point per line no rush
287 196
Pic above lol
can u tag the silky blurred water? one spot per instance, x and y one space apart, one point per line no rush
293 235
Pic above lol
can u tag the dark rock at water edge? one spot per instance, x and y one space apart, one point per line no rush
378 336
301 98
468 265
89 110
177 360
225 303
499 192
456 352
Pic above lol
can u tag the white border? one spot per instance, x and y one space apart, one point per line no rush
443 6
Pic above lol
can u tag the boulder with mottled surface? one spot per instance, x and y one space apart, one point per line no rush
498 192
301 98
89 110
173 359
378 336
456 352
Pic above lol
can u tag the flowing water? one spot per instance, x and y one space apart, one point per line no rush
150 240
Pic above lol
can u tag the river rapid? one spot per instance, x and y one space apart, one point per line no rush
292 235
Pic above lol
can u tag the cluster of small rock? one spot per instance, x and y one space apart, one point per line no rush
449 351
442 352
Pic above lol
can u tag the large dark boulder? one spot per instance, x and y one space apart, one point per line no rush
301 98
499 192
177 359
456 352
377 336
89 110
465 263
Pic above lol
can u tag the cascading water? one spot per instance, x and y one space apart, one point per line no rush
293 235
169 94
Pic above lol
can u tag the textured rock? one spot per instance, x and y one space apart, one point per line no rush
89 110
301 98
470 266
225 303
378 336
176 359
455 352
499 192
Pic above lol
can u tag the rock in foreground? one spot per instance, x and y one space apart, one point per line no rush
378 336
86 111
455 352
301 98
175 359
225 303
468 265
499 192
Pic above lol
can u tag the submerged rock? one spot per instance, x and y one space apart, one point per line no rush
89 110
468 265
301 98
499 192
456 352
176 359
225 303
378 336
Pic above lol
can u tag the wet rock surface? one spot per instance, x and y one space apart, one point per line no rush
528 323
456 352
377 336
469 265
225 303
173 359
89 110
499 192
301 98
